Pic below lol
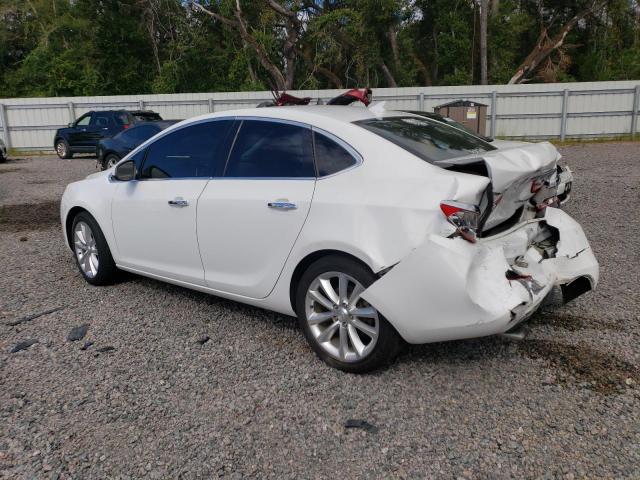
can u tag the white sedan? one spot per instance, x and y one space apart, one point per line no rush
372 228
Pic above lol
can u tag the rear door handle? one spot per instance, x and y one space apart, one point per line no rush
179 202
282 205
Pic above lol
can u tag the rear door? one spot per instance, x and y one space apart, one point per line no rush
154 217
250 218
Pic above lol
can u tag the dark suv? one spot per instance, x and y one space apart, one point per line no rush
83 135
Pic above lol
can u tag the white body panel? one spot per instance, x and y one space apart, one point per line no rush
243 242
384 212
154 236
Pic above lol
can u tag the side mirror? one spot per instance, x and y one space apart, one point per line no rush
125 171
70 125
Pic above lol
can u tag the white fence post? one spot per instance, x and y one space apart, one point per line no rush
211 106
140 104
494 112
5 126
72 112
421 102
563 121
634 114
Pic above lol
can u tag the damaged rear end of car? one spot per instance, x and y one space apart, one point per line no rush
496 259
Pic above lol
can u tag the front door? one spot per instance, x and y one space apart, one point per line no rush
101 126
249 220
154 217
79 136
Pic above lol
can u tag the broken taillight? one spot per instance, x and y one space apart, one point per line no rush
463 216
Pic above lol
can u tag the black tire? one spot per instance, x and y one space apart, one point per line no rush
388 343
107 272
63 149
109 157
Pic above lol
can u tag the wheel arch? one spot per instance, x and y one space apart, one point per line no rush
311 258
68 222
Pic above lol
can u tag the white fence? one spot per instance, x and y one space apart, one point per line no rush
536 111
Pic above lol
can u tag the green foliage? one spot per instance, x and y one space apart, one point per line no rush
103 47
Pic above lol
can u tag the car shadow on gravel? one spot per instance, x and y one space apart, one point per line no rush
225 306
29 216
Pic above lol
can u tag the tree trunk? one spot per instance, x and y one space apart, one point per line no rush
545 46
388 76
393 41
484 8
278 80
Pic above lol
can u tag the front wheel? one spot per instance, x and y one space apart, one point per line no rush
92 253
110 161
344 330
62 149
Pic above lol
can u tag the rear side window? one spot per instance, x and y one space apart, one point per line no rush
331 157
428 139
192 152
122 118
266 149
146 117
139 134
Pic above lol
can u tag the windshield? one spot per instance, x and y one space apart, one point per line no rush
428 139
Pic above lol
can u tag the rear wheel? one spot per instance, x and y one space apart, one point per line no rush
92 253
62 149
343 329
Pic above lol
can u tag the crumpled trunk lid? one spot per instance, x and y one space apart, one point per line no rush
512 172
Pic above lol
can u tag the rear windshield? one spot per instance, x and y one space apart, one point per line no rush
428 139
146 116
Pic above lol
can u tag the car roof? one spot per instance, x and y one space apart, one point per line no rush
307 113
158 123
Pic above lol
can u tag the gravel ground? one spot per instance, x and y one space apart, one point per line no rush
144 395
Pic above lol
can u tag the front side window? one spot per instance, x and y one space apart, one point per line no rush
84 121
331 157
427 139
265 149
194 151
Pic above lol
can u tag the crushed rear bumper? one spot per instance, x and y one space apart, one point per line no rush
450 289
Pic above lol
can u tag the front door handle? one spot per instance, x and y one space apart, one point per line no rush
280 205
178 202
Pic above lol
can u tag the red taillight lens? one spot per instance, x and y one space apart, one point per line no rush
463 216
126 125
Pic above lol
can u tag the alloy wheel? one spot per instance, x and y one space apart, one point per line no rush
112 160
341 322
61 149
86 249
